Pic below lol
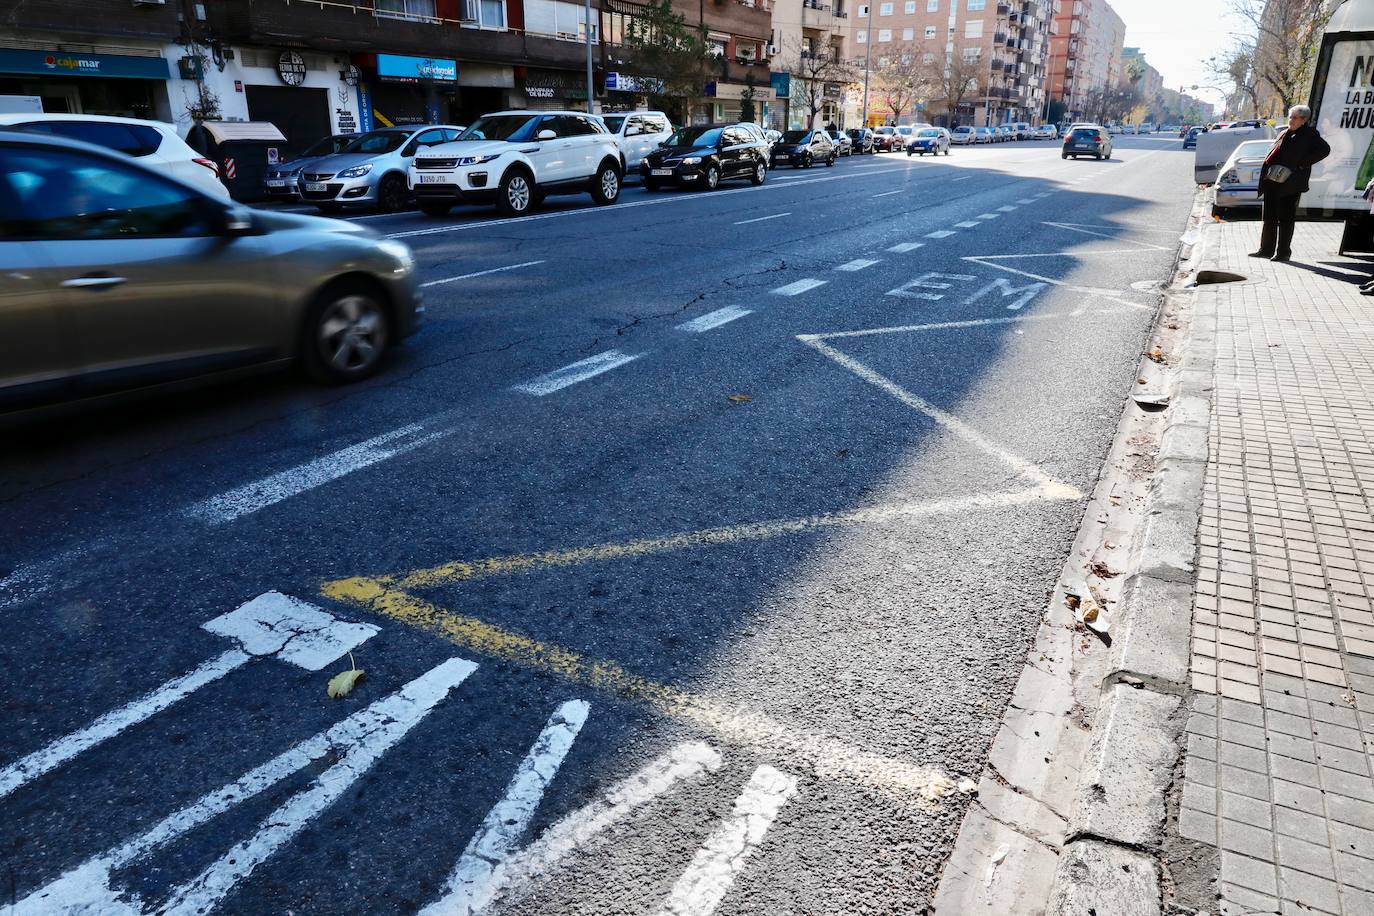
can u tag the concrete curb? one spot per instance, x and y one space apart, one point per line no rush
1110 863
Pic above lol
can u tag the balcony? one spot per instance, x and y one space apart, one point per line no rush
106 18
999 38
1004 9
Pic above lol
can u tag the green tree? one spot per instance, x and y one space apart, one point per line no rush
669 56
746 100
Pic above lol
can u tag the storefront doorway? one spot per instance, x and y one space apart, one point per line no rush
302 115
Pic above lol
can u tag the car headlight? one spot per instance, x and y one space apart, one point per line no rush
358 171
401 252
478 160
692 160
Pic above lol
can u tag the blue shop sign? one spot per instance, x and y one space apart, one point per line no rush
398 67
82 63
782 84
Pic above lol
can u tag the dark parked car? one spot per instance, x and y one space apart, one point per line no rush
1190 138
281 180
1088 140
705 155
861 138
802 149
119 278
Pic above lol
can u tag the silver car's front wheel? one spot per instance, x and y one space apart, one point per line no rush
348 334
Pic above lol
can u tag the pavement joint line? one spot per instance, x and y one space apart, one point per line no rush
1052 487
576 372
479 273
799 287
760 219
714 319
649 202
827 757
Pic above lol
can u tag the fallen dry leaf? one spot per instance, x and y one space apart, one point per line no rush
1140 381
342 684
1072 601
739 397
1156 355
1102 571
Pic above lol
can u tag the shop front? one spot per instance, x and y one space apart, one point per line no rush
398 89
549 89
78 82
723 103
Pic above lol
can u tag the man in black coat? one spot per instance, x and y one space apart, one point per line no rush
1297 149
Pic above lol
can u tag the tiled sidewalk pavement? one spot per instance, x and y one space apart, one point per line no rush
1279 755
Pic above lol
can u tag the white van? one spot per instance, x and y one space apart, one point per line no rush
1214 147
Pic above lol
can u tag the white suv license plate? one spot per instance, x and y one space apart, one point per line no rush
660 171
433 179
315 186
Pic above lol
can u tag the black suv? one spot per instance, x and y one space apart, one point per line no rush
704 155
802 149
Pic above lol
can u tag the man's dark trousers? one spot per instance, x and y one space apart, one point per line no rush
1280 213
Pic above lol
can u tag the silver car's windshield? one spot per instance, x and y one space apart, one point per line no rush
1253 149
497 127
377 142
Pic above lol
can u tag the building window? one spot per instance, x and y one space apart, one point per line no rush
863 11
557 18
715 47
885 9
973 28
405 9
927 58
976 5
861 36
930 31
909 7
908 34
884 34
972 54
485 14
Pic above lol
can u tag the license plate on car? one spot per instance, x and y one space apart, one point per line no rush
315 186
276 183
1254 174
660 171
433 179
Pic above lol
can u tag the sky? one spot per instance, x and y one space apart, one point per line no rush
1178 36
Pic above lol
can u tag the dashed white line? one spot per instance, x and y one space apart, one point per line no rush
576 372
801 286
274 488
965 178
889 193
904 247
857 264
988 216
713 319
1026 200
480 273
939 234
1007 209
720 859
967 224
760 219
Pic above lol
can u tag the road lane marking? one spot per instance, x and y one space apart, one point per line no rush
722 857
1049 486
965 178
350 747
1090 230
760 219
988 216
890 193
480 273
576 830
251 497
271 624
1007 209
939 234
714 319
1111 295
927 281
1026 200
904 247
827 757
967 224
857 264
576 372
796 289
473 881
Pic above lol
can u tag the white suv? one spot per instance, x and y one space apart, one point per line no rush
638 133
515 158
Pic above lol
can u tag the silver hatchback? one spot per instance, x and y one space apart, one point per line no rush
370 171
119 278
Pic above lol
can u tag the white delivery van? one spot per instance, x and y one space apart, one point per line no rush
1214 147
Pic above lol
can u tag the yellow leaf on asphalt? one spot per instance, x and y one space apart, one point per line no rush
341 685
740 397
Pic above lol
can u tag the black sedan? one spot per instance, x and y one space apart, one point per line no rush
862 138
802 149
705 155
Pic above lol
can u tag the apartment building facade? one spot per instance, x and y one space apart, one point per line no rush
1085 53
807 50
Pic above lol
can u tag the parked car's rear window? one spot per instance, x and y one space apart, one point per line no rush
1085 133
129 139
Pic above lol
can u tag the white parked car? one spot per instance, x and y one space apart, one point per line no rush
1047 132
962 136
515 158
153 143
637 133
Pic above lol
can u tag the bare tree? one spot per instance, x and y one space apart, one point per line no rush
1288 37
1236 67
811 69
902 79
955 80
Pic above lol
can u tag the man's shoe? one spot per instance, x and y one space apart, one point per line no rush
1281 258
1262 254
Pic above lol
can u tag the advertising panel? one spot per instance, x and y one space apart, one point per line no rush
1345 117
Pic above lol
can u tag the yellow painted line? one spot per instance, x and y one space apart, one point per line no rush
825 756
464 570
383 118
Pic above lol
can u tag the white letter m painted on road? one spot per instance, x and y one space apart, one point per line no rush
1024 294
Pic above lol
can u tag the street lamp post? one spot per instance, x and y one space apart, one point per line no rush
590 95
868 58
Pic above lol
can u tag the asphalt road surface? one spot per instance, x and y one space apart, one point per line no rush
691 552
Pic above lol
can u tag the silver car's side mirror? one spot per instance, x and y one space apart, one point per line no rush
546 134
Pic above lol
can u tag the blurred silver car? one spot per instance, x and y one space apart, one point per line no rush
118 277
1238 184
283 179
371 171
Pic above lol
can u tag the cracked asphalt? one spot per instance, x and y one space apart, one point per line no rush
815 537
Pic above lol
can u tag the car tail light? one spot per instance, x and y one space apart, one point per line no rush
209 164
1230 177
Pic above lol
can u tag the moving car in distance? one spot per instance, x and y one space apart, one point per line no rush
704 155
802 149
283 179
370 171
1046 132
637 133
1238 184
1087 140
1190 138
161 282
514 159
933 140
153 143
